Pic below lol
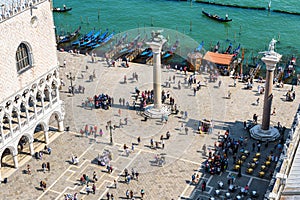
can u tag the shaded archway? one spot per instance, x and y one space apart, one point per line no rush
7 161
39 102
23 113
23 146
5 124
15 119
31 107
54 91
54 121
40 135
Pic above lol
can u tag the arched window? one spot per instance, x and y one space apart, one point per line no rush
23 57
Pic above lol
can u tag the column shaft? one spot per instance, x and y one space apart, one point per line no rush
267 101
157 80
0 174
31 148
15 157
61 126
46 134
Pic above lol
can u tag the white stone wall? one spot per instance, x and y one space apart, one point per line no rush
41 39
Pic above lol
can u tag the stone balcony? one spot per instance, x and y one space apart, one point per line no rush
11 8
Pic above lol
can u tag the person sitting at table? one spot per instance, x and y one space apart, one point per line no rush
232 188
246 188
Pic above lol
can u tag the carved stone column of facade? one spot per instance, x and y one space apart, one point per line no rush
61 126
0 174
15 158
46 134
31 148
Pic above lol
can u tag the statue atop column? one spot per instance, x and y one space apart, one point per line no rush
272 45
157 36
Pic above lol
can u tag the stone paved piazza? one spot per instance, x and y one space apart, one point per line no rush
183 153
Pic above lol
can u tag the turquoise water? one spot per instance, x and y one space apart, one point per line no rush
253 29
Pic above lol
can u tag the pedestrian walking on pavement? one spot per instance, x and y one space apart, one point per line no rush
142 193
115 184
95 178
203 186
127 194
253 146
131 194
139 140
48 166
28 170
274 111
44 167
94 188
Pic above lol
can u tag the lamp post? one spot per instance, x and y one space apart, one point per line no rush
110 132
71 78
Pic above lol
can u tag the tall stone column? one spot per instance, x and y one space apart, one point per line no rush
157 76
157 110
264 132
268 98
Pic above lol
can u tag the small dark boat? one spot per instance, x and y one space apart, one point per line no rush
228 50
64 9
237 51
216 48
216 17
171 52
69 37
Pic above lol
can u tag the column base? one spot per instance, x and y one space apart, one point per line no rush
264 135
157 113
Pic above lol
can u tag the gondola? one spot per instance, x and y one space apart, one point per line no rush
216 17
69 37
64 9
198 49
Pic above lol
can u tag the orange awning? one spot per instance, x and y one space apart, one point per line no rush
218 58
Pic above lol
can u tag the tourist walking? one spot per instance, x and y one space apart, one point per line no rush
115 184
142 193
203 187
127 194
28 170
48 166
274 111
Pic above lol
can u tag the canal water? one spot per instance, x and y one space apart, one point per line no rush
253 29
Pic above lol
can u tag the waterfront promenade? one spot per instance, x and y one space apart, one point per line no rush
183 152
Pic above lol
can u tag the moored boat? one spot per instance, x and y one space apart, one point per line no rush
199 48
69 37
216 17
84 38
172 50
64 9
